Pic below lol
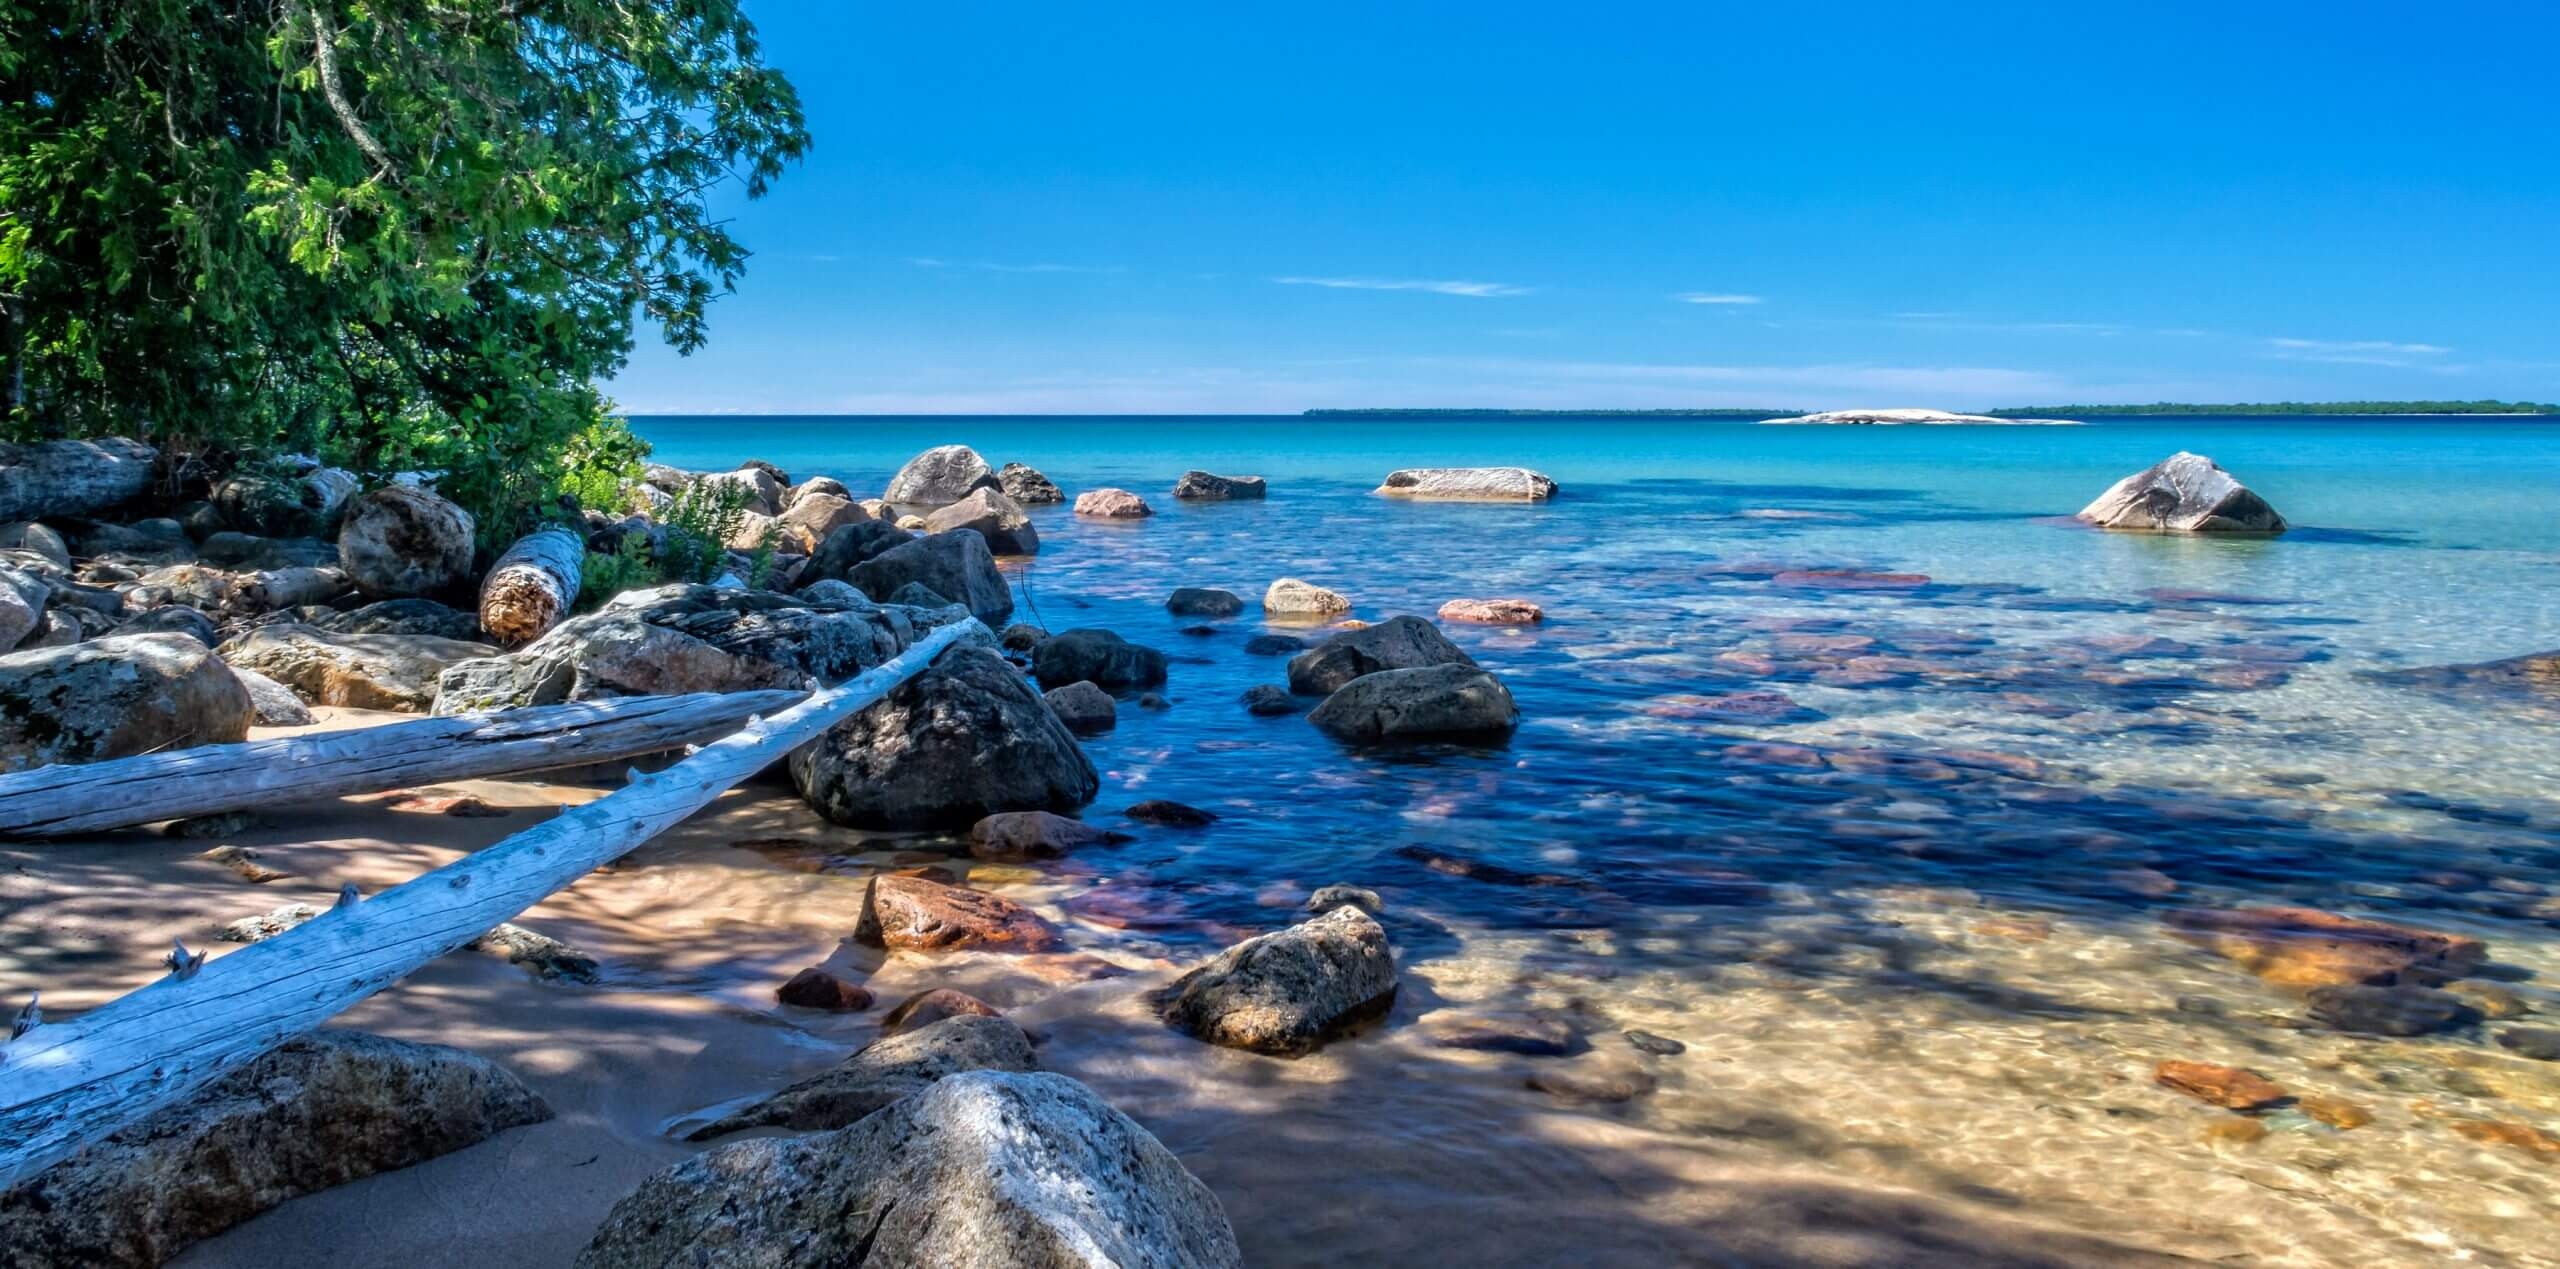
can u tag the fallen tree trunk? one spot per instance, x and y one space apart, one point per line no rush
531 586
277 588
67 1085
72 478
89 797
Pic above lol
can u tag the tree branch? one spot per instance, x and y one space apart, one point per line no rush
324 56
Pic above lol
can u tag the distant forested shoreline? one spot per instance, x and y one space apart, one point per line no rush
1462 413
2282 408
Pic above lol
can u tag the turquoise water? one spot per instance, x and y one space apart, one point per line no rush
1771 818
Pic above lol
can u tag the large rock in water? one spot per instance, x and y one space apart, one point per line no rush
986 1168
689 639
1438 700
997 518
114 697
319 1111
1398 643
1469 484
963 740
883 1071
1293 599
2183 493
1202 486
1024 484
378 671
1096 656
399 540
956 565
939 477
1289 991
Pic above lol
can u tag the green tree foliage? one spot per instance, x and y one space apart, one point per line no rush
400 233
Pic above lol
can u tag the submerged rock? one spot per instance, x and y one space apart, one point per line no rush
1290 597
956 743
882 1072
2397 1011
1290 991
2226 1086
1200 601
1268 701
1468 484
1085 708
1500 1031
116 696
1112 504
1438 700
815 988
2305 947
1096 656
939 477
1166 813
1018 835
1398 643
2183 493
390 672
1201 486
915 914
402 540
983 1168
1024 484
1274 645
319 1111
1493 612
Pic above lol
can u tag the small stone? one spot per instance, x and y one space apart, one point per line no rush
1327 898
2235 1131
1536 1035
915 914
1153 701
2226 1086
1201 486
1017 835
2337 1112
1169 814
459 805
932 1005
245 863
1288 992
2519 1136
204 827
815 988
1273 645
1022 636
1269 701
2305 947
1112 504
1596 1078
1290 597
1657 1045
2395 1011
1083 707
2542 1044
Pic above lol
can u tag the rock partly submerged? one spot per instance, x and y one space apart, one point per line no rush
1201 486
1430 702
1398 643
1290 991
2183 493
982 1168
1297 600
1468 484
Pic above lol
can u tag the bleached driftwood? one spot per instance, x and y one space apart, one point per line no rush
277 588
71 478
531 586
89 797
65 1085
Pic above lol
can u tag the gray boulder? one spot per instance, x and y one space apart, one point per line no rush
319 1111
1437 700
1202 601
147 544
755 487
280 505
882 1072
848 546
1289 991
393 672
1096 656
997 518
2183 493
805 525
1468 484
1200 485
939 477
1025 485
1083 707
959 742
984 1168
116 696
175 619
405 617
276 705
1398 643
402 540
235 550
956 564
43 539
22 603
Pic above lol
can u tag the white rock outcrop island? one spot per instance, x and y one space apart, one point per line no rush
1897 418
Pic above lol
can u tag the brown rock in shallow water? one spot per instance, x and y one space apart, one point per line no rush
915 914
2519 1136
1290 991
2337 1112
815 988
2226 1086
1018 835
320 1111
932 1005
1503 1031
2305 947
2400 1011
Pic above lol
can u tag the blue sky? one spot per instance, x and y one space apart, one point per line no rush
1141 208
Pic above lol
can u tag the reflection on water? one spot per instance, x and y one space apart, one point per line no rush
1861 806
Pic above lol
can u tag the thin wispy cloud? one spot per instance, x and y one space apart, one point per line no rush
2366 352
1714 297
990 266
1472 290
2371 346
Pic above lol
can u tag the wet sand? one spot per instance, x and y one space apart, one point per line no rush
1381 1147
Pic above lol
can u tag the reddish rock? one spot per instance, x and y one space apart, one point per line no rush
1493 612
1018 835
1732 707
930 1006
2519 1136
815 988
1849 579
2305 947
1112 504
2337 1112
1747 662
912 913
2226 1086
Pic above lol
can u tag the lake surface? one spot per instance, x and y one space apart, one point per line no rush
1853 765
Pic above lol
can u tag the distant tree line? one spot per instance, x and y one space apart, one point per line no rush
2284 407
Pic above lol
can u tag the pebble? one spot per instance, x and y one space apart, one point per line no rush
2337 1112
2394 1011
2226 1086
1657 1045
2542 1044
815 988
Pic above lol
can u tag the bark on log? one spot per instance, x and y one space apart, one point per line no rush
531 586
66 1085
91 797
71 478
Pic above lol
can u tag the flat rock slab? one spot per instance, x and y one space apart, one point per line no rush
1468 484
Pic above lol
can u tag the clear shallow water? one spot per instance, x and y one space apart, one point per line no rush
1907 918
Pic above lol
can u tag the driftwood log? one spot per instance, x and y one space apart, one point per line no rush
66 1085
531 586
71 478
90 797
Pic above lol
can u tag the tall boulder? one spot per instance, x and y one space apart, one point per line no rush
319 1111
2183 493
983 1168
939 477
1398 643
1289 991
402 540
960 741
955 564
116 696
